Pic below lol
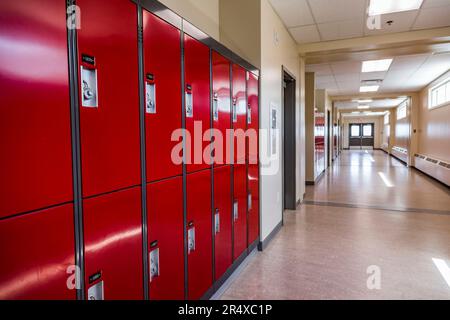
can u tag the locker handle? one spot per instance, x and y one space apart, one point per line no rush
150 94
154 269
215 106
249 201
235 211
189 102
234 110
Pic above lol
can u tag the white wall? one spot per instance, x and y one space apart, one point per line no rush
277 49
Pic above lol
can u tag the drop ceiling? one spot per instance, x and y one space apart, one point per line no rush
407 73
325 20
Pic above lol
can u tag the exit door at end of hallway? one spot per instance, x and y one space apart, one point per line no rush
361 135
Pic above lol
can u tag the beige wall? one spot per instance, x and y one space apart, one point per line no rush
434 127
204 14
240 28
402 130
278 50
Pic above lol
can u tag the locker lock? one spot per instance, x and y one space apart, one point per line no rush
217 221
189 102
234 111
191 237
154 261
150 94
215 106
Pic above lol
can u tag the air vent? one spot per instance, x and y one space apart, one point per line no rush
370 82
432 160
437 169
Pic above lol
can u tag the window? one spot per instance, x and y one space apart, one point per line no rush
367 130
355 131
387 118
401 111
439 95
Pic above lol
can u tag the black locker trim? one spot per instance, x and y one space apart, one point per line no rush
213 210
145 252
76 153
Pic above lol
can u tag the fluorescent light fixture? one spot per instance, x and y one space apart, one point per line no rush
378 7
369 88
365 101
356 112
363 107
443 269
385 180
376 65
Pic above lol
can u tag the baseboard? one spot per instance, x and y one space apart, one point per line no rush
402 161
310 183
432 178
221 285
263 244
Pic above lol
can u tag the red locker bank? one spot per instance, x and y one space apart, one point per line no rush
239 115
253 158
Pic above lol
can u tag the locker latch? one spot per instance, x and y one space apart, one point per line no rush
234 111
235 211
215 107
89 88
249 114
154 262
217 222
249 201
191 237
189 102
150 94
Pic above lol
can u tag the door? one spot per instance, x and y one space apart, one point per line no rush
113 246
35 134
197 103
162 68
165 239
361 135
109 96
222 220
199 233
289 143
253 158
37 255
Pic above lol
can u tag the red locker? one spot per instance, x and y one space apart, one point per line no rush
165 239
113 245
222 220
109 96
199 233
36 251
239 113
240 210
221 107
253 158
35 165
197 102
162 67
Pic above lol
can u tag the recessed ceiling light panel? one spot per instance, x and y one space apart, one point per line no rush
376 65
363 107
378 7
369 88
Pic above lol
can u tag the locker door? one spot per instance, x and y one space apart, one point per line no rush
199 233
240 210
253 158
165 239
36 251
35 161
222 220
109 96
239 113
113 245
162 67
197 101
221 107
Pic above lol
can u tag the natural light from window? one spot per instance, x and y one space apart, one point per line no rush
440 94
401 111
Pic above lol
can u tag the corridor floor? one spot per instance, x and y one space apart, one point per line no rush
370 229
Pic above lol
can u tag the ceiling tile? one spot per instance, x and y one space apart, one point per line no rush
293 12
435 3
433 18
373 75
329 10
327 86
346 67
408 62
348 77
341 29
402 21
324 79
305 34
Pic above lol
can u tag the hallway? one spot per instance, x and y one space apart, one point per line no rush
354 218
